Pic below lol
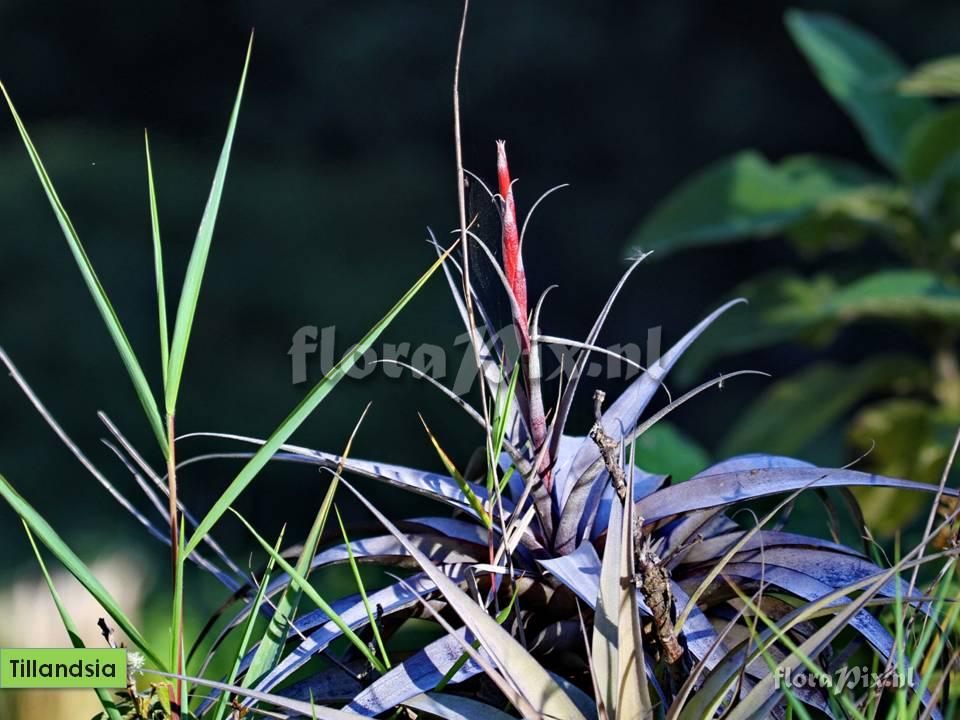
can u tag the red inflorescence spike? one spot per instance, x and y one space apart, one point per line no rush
512 259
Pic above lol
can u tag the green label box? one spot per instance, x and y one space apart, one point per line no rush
62 668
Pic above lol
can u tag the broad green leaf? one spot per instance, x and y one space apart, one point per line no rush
310 592
109 706
302 411
190 292
795 410
932 154
97 291
742 196
785 307
862 75
75 566
666 450
936 78
842 222
158 264
898 295
907 438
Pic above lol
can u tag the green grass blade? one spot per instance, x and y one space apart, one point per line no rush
190 292
109 707
798 651
303 411
311 593
363 592
247 634
502 414
75 566
97 291
176 619
158 265
274 637
458 477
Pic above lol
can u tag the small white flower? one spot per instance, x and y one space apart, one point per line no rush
135 662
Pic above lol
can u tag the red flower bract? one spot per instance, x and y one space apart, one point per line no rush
512 258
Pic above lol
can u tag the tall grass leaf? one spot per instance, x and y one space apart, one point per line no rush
176 616
109 707
475 502
374 625
309 591
275 635
158 264
533 682
271 645
75 566
97 291
302 411
248 632
190 292
804 654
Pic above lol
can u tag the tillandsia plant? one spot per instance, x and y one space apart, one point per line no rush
566 582
880 248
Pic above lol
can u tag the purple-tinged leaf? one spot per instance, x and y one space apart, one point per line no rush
579 571
620 418
753 461
569 393
437 487
535 686
352 610
455 707
595 524
417 674
706 491
713 548
697 630
391 598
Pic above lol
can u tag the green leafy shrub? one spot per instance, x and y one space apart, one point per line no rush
890 237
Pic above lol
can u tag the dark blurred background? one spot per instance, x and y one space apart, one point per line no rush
343 157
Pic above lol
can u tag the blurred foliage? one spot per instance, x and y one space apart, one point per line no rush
890 242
